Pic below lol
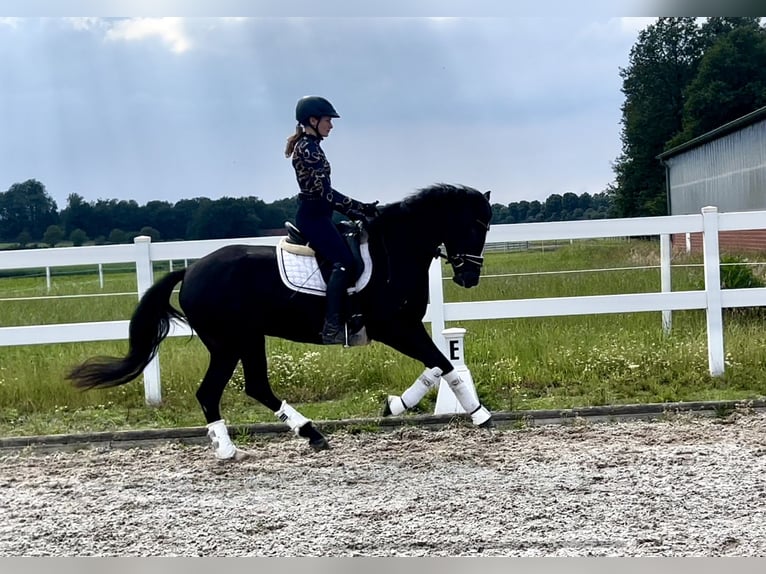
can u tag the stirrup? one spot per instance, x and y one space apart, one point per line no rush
333 336
359 338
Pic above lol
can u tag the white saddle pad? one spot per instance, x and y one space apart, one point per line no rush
299 270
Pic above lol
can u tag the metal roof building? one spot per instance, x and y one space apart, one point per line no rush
725 167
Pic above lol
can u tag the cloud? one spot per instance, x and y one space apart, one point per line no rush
170 30
12 22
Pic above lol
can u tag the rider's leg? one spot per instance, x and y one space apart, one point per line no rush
326 240
334 331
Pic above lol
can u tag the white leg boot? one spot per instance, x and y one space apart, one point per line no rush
224 448
291 417
467 399
428 380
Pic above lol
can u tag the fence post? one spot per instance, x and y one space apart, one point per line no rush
714 310
666 286
436 301
144 279
446 401
101 275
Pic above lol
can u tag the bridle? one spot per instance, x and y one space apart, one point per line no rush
459 259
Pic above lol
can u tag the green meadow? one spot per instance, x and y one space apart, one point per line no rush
516 364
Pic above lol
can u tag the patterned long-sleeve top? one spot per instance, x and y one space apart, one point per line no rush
312 170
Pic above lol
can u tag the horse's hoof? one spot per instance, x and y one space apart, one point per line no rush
242 455
239 455
488 424
319 444
386 410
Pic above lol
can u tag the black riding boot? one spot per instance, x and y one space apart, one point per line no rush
334 331
357 332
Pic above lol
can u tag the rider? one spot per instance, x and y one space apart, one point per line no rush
316 202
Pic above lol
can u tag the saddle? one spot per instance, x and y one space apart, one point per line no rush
303 269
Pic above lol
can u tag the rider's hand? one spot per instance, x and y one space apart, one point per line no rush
370 209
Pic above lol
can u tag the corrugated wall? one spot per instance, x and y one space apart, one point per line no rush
729 172
733 242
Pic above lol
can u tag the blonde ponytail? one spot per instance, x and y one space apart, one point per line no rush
292 140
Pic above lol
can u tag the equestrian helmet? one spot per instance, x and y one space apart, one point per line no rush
313 107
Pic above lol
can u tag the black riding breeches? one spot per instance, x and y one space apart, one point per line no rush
320 231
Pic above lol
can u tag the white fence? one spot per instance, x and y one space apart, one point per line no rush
713 299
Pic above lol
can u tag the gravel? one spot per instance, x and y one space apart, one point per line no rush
686 486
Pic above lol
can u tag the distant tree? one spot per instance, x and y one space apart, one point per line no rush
288 207
716 27
500 214
78 237
569 202
24 238
103 218
274 217
162 217
520 211
118 236
553 207
185 212
53 235
535 211
730 83
128 214
661 64
26 206
151 232
226 218
78 213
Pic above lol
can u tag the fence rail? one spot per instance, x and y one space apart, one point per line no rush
712 299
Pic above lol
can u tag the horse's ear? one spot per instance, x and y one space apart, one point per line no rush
486 194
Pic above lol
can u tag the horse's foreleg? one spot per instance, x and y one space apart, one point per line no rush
480 415
428 380
415 342
257 386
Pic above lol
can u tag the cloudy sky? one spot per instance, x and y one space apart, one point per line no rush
169 108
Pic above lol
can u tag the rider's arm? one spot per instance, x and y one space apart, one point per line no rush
313 172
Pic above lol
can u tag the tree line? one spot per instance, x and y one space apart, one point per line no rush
28 216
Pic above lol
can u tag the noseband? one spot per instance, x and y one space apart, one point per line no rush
460 259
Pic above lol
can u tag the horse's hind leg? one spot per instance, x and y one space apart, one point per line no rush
222 365
257 386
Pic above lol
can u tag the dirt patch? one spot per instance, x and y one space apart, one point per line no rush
686 487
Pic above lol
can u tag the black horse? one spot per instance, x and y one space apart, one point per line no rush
234 297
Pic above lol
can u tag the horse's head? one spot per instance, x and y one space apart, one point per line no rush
466 232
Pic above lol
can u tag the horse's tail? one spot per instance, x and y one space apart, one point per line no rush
149 325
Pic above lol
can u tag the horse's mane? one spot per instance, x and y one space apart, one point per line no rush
431 199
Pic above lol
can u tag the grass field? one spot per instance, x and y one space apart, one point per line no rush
516 364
